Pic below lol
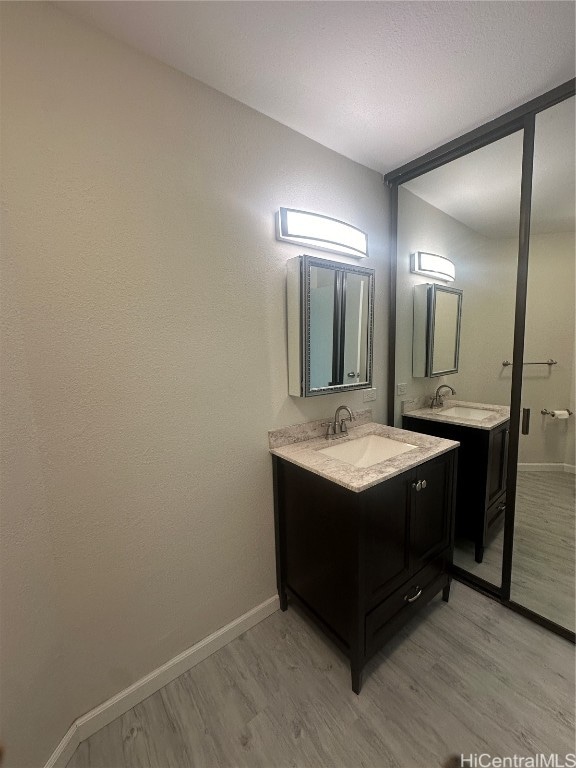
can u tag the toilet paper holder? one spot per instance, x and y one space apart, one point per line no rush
546 412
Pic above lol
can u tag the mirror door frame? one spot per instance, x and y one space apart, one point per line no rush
522 118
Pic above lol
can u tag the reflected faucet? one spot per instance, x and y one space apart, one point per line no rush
438 400
338 427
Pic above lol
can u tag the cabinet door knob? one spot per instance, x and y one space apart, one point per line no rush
414 597
423 483
417 486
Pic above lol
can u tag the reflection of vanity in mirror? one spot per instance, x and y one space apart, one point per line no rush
482 431
330 326
469 331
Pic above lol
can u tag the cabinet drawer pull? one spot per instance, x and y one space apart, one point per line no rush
414 597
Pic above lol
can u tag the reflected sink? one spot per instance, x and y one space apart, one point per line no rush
366 451
462 412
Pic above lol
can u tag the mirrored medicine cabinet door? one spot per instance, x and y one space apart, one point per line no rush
330 326
436 332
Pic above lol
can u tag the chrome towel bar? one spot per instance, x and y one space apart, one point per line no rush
506 363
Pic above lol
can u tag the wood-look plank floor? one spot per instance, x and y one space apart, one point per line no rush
543 568
465 676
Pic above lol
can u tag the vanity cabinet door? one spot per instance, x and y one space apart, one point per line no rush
497 463
317 531
386 513
431 510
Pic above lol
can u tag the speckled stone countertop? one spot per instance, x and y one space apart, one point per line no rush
305 453
495 414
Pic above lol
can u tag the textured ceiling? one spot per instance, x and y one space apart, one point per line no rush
482 189
379 82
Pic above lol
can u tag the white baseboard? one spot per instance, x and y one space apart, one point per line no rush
547 468
64 751
100 716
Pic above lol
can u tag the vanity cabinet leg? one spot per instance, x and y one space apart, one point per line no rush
446 591
356 678
478 553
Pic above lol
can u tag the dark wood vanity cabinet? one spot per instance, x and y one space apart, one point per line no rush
481 481
361 564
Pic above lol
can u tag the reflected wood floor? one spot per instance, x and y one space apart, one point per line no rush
490 569
543 572
468 675
543 566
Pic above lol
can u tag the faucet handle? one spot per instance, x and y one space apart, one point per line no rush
330 428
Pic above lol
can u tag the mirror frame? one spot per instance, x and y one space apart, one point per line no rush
521 118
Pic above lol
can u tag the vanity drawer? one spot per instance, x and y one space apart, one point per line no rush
405 600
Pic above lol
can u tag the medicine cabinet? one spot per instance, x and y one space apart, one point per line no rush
330 326
436 335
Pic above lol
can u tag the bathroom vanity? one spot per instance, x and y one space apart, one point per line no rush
361 548
482 431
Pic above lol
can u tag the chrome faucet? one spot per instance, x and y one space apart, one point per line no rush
338 427
438 400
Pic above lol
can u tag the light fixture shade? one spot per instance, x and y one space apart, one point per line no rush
432 265
321 232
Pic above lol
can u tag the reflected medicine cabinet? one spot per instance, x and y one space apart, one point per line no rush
330 326
436 335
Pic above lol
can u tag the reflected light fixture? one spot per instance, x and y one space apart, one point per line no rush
432 265
321 232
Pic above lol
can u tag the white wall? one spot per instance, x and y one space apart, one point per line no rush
144 360
549 334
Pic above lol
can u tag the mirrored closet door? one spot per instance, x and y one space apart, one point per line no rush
466 211
492 214
543 575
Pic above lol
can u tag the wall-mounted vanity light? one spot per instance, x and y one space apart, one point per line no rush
432 265
321 232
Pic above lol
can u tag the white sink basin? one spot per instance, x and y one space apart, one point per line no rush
462 412
368 450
